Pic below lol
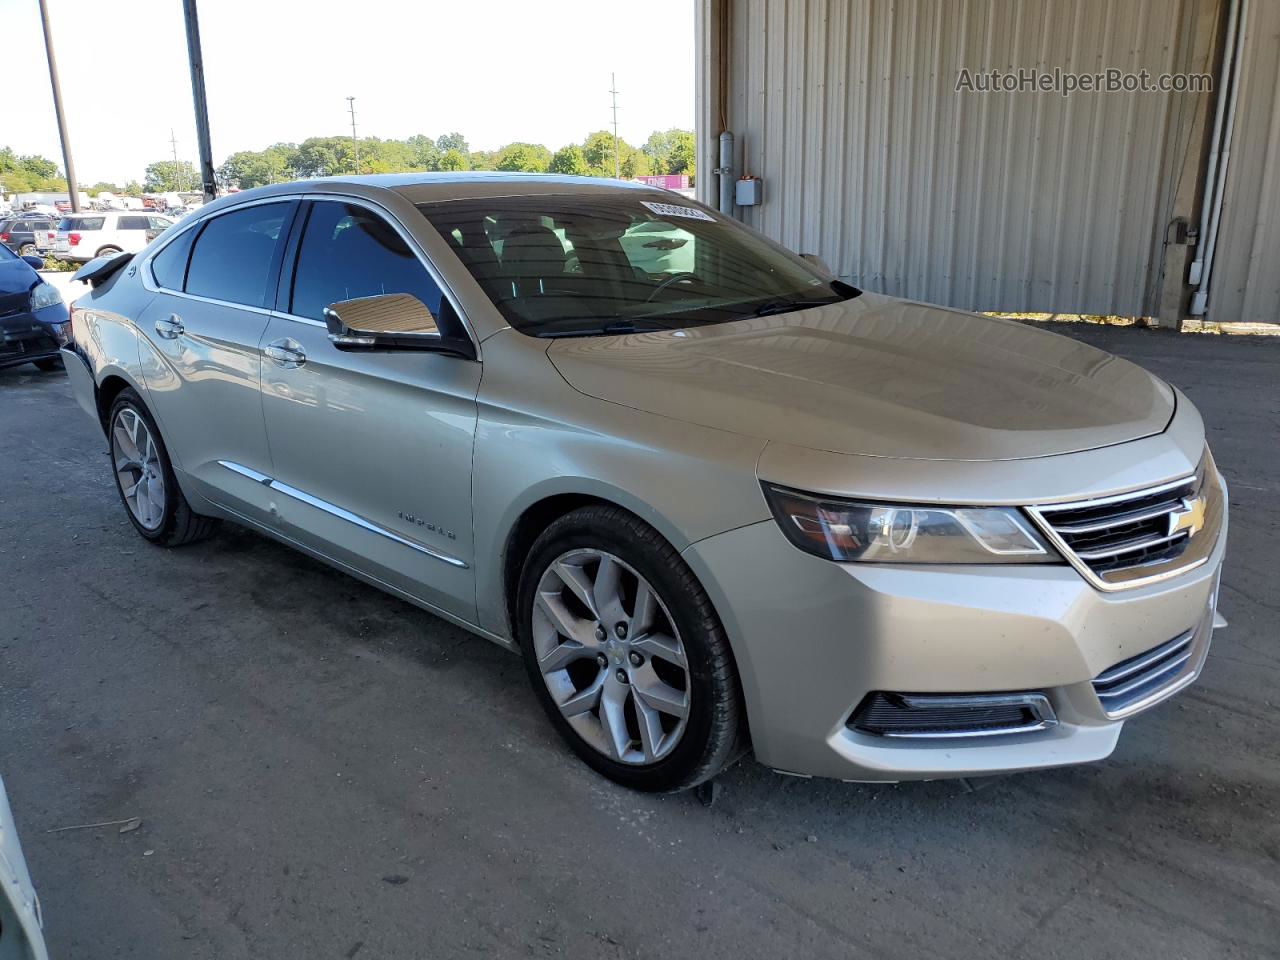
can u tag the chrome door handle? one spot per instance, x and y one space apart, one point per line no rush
170 327
285 353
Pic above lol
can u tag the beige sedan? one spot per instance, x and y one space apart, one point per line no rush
717 499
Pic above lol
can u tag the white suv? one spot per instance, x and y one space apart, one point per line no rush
83 236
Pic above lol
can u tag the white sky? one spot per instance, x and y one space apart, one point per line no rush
494 70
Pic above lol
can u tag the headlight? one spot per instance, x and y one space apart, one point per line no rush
44 294
848 530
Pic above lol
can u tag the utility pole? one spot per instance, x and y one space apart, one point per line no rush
613 89
208 184
73 188
355 141
173 142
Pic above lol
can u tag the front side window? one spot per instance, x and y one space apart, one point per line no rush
348 251
586 265
232 256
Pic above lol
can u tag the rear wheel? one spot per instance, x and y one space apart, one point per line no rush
626 653
107 252
145 480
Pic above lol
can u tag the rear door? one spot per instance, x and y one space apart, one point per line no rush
372 450
203 329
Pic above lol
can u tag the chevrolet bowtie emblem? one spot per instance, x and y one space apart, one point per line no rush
1189 518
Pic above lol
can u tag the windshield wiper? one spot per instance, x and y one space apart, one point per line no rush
782 306
605 330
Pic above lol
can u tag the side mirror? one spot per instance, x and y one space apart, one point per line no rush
390 321
35 262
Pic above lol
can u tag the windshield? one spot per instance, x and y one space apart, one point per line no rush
587 265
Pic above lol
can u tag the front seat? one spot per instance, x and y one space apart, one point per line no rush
531 256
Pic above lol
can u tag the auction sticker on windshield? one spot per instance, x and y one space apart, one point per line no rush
674 210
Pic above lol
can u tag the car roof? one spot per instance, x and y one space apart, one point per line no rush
426 187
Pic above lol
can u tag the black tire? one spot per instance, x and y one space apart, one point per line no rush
28 250
48 363
714 734
108 251
179 524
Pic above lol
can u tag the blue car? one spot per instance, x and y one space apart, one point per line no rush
33 318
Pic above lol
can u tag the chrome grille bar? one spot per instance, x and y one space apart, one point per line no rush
1144 676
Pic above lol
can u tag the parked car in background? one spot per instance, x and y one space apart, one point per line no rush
83 236
19 233
33 318
21 924
713 495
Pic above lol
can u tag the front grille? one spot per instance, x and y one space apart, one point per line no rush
1145 676
924 715
1135 537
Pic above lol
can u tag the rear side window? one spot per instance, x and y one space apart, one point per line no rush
348 251
232 255
132 223
81 223
169 266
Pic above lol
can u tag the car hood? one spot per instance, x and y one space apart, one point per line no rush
880 377
16 276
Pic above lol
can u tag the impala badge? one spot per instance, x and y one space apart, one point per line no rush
433 527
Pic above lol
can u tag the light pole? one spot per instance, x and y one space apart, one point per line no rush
73 188
208 184
355 141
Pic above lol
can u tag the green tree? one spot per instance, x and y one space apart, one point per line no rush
523 158
325 157
597 148
102 186
569 160
453 159
670 151
164 176
426 155
29 173
254 168
452 141
483 159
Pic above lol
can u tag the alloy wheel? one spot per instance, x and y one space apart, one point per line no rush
138 468
611 656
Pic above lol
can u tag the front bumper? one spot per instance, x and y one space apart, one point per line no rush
29 336
813 638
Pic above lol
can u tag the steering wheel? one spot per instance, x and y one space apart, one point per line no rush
681 277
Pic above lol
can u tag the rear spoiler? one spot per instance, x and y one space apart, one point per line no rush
100 269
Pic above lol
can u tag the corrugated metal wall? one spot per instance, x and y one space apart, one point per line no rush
1001 201
1246 273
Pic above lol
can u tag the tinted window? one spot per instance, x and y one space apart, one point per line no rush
81 223
232 255
132 223
169 266
348 252
159 223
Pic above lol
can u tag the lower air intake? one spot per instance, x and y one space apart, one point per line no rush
925 715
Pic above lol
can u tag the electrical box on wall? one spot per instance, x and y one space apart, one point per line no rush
748 192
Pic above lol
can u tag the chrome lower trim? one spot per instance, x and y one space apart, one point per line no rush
1037 703
334 510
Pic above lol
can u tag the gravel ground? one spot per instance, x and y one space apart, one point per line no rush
324 771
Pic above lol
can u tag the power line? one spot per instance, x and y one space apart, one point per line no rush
613 89
355 141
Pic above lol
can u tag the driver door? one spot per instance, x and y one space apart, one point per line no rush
371 451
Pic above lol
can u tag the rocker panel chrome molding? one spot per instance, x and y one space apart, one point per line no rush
303 497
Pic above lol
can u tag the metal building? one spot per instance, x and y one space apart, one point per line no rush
876 151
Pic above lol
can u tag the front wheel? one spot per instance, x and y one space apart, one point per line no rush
145 480
108 252
626 654
27 250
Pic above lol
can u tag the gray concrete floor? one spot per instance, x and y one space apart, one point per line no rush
324 771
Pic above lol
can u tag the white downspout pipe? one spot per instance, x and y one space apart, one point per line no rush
1211 214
